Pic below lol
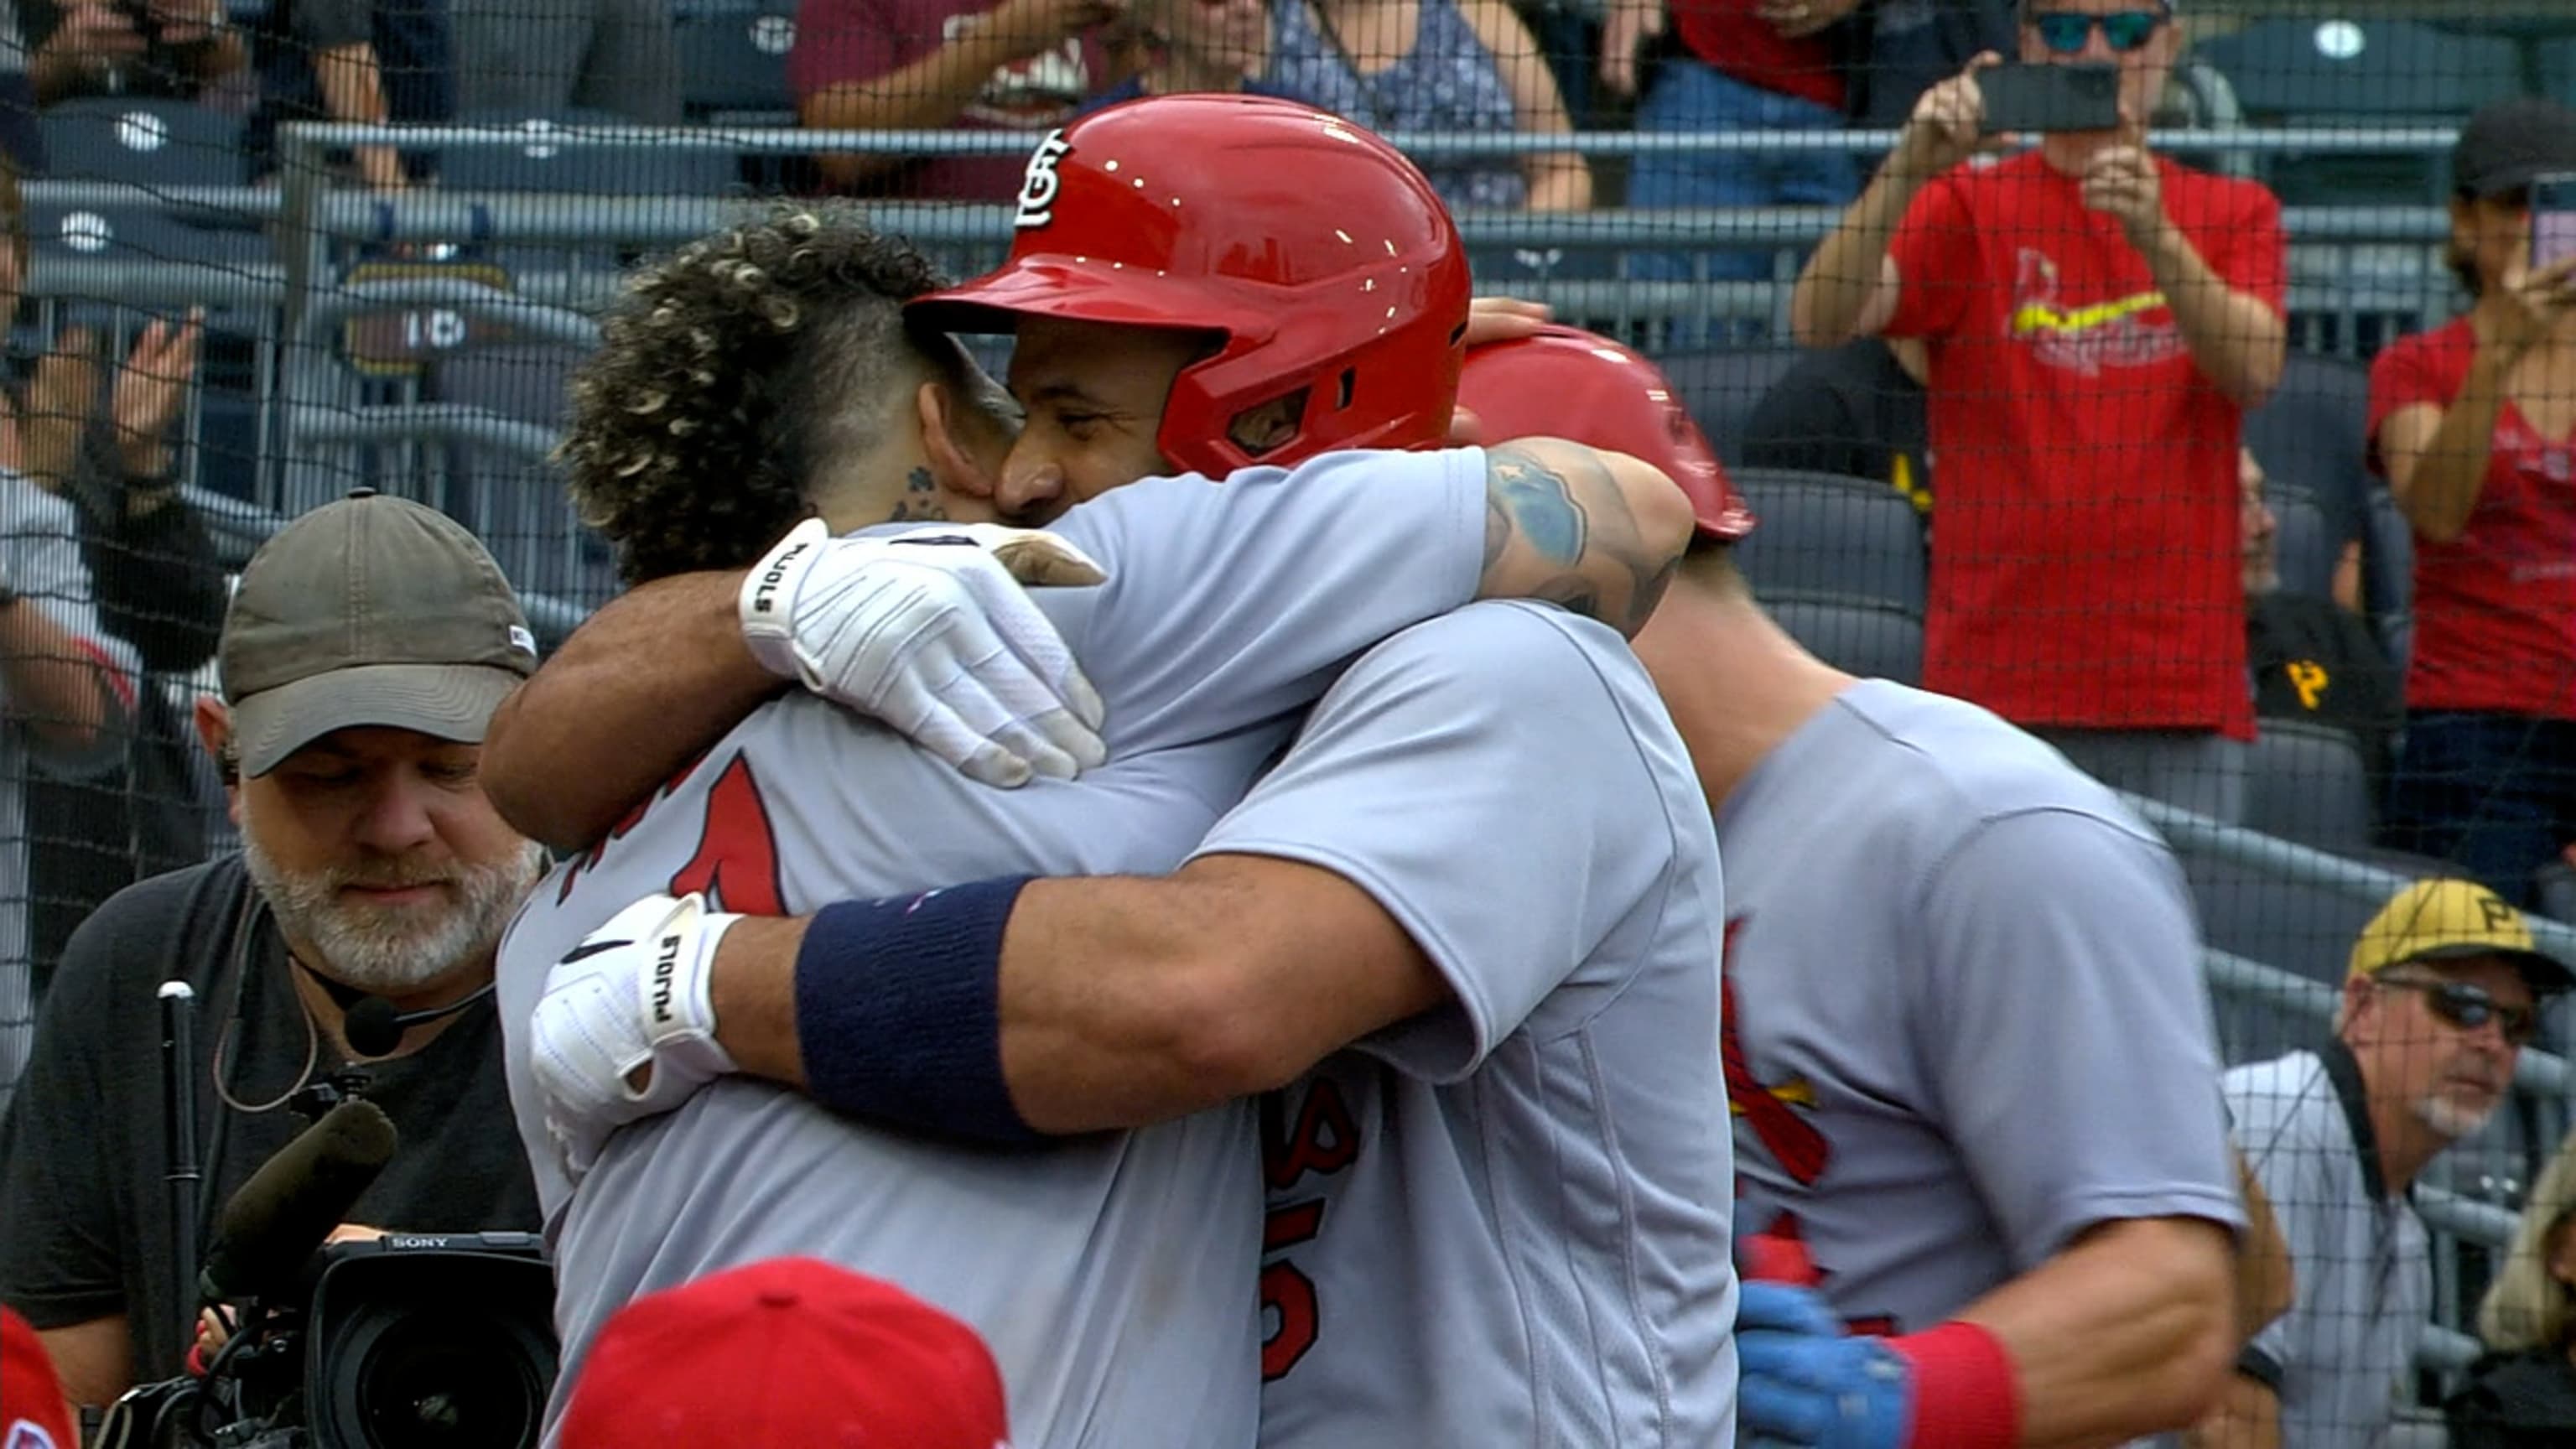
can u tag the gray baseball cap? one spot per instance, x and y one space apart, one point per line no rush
370 611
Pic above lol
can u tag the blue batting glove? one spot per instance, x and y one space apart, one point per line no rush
1808 1385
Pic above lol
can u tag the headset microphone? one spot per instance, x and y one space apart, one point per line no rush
373 1027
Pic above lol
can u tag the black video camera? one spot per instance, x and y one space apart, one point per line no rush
410 1341
405 1342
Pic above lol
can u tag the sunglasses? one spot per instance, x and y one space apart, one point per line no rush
2470 1007
2066 31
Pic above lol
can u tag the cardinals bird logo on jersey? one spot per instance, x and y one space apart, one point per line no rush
1771 1111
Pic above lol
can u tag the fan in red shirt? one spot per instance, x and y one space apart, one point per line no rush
2474 425
2097 320
1740 65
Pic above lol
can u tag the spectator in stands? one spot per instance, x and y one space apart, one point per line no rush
1179 46
106 449
161 48
2442 994
790 1353
373 61
2474 425
68 686
2314 658
615 56
366 647
1856 410
1914 45
2522 1393
901 65
1740 65
1436 65
2096 320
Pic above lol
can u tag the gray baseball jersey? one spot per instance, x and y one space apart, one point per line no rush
2361 1269
1964 1013
1505 1221
1112 1275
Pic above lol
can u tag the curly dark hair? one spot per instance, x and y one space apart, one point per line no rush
729 372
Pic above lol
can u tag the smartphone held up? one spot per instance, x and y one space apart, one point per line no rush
2039 99
2553 219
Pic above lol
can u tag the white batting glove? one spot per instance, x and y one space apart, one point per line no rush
625 1029
930 632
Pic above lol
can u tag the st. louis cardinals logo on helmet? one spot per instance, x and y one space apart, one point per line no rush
1038 183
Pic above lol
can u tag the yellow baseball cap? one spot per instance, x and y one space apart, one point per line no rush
2447 920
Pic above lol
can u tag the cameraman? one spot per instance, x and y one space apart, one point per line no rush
363 654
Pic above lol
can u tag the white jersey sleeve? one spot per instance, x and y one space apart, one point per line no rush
2064 944
1413 781
1233 601
41 550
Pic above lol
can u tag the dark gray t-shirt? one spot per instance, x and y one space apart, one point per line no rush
84 1217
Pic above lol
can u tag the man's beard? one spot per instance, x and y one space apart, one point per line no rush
393 950
2449 1119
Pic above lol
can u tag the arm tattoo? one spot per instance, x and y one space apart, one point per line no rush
1585 550
1539 504
920 502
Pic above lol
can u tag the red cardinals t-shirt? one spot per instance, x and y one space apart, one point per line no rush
841 42
2495 608
1732 37
2084 553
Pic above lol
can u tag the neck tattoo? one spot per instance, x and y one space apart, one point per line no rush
920 501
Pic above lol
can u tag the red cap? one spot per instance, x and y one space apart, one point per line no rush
1568 383
791 1353
33 1412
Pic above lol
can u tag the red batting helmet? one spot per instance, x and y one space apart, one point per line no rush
1568 383
1314 250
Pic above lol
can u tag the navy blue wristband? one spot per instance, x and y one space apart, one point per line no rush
898 1011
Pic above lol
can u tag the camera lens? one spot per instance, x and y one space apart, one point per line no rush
439 1382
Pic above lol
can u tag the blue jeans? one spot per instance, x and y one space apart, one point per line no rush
2494 794
1687 95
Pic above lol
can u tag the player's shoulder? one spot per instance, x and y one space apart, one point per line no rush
1971 767
1517 652
1317 482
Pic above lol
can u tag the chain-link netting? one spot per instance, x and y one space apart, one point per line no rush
2191 390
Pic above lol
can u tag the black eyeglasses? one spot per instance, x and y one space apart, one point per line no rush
2470 1007
2066 31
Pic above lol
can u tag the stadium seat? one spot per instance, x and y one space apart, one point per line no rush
2312 433
515 504
1820 533
2303 540
1867 637
2302 927
1720 389
136 234
2558 70
228 443
144 142
2308 783
537 162
733 62
525 381
2377 71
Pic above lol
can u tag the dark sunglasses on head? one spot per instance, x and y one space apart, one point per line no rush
2470 1007
2066 31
